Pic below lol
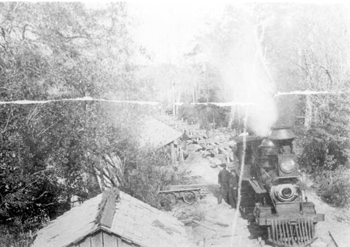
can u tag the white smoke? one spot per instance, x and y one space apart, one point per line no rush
246 77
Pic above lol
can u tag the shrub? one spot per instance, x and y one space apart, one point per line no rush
324 155
207 116
153 172
334 186
10 236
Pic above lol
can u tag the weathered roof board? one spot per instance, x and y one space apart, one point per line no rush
137 223
76 223
156 134
147 225
103 238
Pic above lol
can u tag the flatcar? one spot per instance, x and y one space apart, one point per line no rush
272 191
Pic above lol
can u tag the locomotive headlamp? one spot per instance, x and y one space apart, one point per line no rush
288 165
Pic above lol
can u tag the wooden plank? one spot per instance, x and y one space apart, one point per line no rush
197 222
181 155
110 240
107 207
125 243
188 186
178 190
338 237
257 188
97 240
120 242
108 212
85 243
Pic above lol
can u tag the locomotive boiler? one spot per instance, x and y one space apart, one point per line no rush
272 192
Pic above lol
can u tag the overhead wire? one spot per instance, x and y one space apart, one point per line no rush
222 104
31 102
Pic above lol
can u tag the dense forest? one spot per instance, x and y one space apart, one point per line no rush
54 51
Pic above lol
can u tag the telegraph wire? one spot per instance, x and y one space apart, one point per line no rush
31 102
223 104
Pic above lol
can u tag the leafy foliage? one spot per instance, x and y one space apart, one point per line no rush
207 116
333 186
313 60
64 50
50 152
325 150
152 173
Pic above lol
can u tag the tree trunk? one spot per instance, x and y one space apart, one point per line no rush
308 112
232 116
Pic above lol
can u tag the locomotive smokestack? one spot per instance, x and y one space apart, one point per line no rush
281 134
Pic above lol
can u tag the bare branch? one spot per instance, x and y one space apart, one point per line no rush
328 74
32 114
8 120
72 37
42 132
24 30
3 34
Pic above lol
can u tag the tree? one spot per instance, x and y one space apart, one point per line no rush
50 151
314 60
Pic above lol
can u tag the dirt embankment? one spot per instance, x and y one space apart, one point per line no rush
337 224
211 224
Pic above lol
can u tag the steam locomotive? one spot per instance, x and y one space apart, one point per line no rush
272 192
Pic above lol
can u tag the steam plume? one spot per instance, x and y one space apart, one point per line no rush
246 77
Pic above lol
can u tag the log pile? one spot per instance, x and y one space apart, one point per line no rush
215 145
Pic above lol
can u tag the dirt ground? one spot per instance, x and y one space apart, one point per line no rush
337 222
211 224
214 221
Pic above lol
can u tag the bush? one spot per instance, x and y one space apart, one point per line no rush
334 186
324 155
11 237
153 172
207 116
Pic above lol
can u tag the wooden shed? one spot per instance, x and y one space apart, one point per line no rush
113 219
155 134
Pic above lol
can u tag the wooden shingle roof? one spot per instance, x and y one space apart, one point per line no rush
77 222
118 214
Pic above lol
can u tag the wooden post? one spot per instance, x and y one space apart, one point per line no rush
174 99
181 155
173 155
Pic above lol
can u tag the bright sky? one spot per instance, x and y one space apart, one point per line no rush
167 29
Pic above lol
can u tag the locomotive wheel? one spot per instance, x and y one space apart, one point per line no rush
190 197
172 198
166 201
162 200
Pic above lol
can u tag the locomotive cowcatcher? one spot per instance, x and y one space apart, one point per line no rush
272 192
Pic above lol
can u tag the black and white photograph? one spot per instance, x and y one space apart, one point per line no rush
174 124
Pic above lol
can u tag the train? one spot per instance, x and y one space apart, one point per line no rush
272 192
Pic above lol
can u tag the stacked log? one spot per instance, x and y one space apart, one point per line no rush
213 145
